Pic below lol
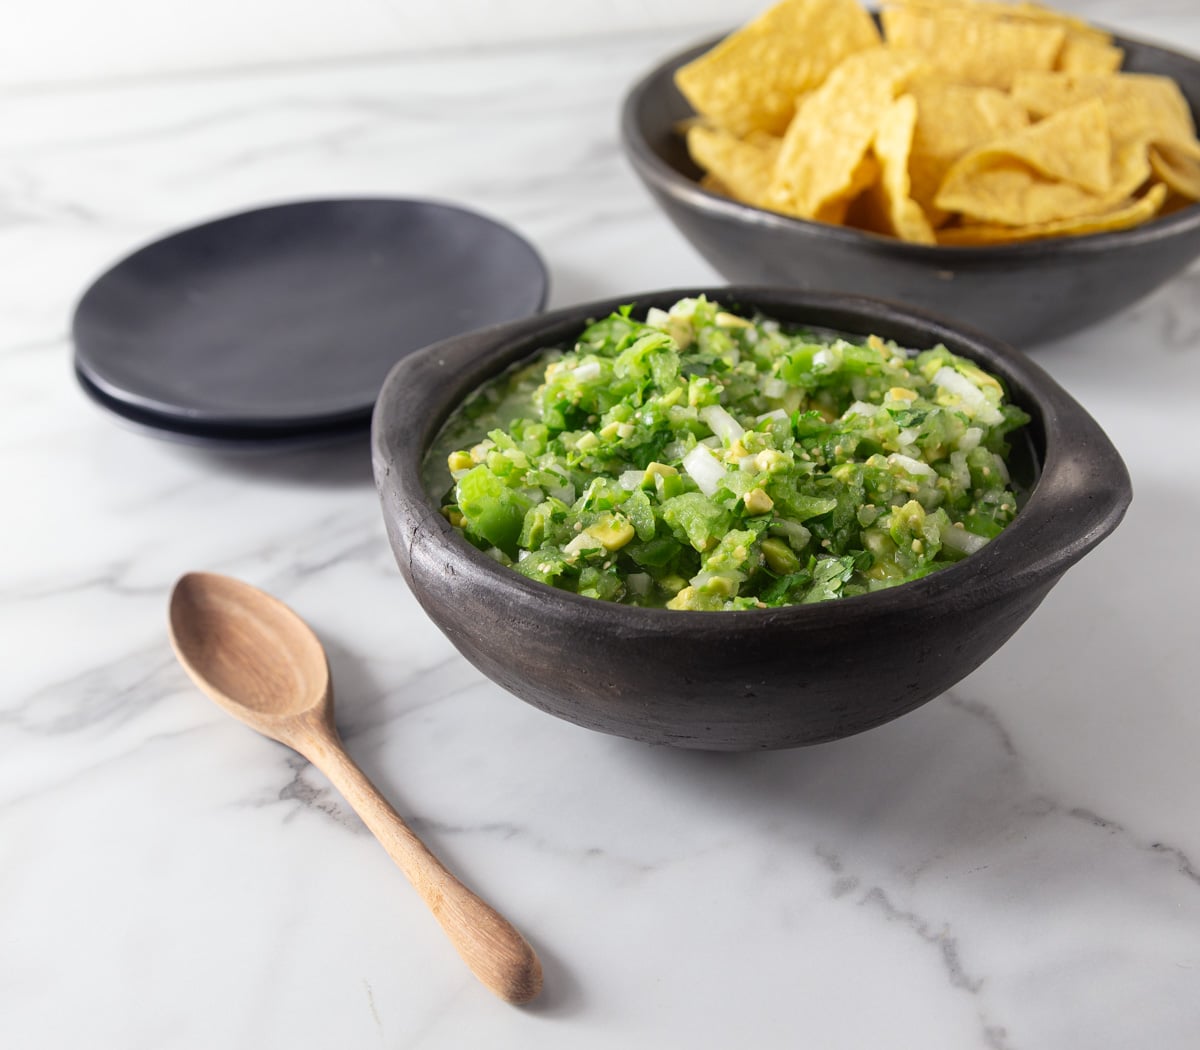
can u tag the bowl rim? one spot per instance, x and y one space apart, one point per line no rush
439 377
676 185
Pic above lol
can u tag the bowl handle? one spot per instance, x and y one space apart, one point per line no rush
1082 495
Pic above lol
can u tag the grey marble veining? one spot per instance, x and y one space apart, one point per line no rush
1015 866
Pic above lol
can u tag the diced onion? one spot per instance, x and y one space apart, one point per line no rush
962 541
827 359
773 386
586 372
861 408
1001 468
722 423
631 479
777 413
704 469
583 542
912 466
963 388
969 394
970 439
685 308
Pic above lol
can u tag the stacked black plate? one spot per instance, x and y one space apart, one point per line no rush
278 325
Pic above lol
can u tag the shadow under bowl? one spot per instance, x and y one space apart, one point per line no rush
1025 293
764 678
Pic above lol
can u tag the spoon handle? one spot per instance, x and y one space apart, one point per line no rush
489 944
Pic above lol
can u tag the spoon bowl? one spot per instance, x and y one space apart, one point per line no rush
263 664
258 656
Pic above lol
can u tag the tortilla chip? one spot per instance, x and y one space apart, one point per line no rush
1130 169
1087 55
1071 146
714 185
901 215
1005 11
1085 48
826 141
1130 213
1008 192
952 120
743 167
751 80
1029 177
1141 106
988 52
1011 193
1178 165
864 176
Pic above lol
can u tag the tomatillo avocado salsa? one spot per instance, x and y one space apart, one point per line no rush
704 460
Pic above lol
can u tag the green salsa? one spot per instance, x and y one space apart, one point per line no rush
704 460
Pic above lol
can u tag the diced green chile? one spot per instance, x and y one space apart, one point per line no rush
494 511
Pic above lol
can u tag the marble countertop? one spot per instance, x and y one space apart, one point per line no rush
1014 866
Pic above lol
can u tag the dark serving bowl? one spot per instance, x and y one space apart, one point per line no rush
1024 293
768 678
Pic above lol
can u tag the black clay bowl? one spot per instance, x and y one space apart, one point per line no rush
767 678
1024 293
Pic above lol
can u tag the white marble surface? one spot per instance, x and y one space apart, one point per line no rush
1015 866
74 41
137 37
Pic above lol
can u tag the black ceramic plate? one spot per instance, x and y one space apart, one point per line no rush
218 438
287 319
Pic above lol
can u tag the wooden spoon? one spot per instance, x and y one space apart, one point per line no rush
257 659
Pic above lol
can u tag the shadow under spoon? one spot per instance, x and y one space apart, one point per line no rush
263 664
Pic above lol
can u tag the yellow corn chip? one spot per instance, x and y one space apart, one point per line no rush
901 215
742 166
1086 54
1059 168
1005 11
864 176
1070 146
1130 169
1085 48
1010 193
1130 213
751 80
952 120
988 52
1178 165
1141 107
827 139
1014 183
